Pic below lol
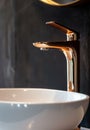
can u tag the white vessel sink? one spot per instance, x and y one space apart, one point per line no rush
41 109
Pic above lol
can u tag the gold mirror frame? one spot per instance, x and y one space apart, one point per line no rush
55 3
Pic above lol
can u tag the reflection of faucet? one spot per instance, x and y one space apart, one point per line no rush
70 48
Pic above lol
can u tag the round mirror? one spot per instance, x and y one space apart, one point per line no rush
60 2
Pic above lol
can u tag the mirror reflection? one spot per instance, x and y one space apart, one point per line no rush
60 2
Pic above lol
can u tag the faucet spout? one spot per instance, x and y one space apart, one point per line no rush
70 49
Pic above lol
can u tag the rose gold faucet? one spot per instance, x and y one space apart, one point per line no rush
70 48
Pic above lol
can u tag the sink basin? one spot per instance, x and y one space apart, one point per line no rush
41 109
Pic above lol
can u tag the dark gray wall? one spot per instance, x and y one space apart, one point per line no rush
22 22
6 44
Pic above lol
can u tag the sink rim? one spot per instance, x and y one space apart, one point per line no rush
85 97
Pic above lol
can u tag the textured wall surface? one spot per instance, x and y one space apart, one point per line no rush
6 44
22 22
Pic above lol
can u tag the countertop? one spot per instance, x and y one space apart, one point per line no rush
82 128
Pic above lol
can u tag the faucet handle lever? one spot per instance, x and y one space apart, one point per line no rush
71 35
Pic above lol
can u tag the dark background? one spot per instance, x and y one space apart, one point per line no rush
22 22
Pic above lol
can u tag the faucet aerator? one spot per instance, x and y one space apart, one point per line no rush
44 49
